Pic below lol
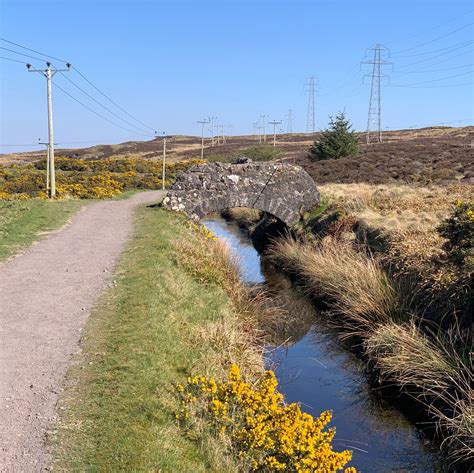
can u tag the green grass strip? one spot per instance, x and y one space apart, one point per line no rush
23 222
119 411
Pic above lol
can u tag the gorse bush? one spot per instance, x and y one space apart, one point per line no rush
88 179
338 141
264 433
458 229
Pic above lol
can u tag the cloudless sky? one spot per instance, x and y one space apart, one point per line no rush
171 63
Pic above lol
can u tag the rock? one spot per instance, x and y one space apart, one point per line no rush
282 190
242 160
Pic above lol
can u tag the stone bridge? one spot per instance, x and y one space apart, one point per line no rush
282 190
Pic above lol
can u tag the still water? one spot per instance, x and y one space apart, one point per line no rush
315 371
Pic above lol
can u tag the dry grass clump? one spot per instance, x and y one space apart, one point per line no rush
234 337
364 301
359 292
432 371
243 216
397 207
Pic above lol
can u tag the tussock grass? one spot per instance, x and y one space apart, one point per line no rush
243 216
363 300
359 292
435 374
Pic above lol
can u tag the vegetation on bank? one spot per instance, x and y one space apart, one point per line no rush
23 222
258 152
87 179
375 259
177 308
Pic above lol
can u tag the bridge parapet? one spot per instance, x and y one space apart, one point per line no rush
281 189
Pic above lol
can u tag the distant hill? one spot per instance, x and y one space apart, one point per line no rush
425 155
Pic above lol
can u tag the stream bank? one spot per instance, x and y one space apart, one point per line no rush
314 370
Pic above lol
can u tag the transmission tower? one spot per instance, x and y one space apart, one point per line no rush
310 120
289 118
374 116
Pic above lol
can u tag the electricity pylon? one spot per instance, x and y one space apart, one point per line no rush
310 116
289 118
374 116
49 73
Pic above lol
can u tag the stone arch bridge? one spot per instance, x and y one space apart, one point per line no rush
282 190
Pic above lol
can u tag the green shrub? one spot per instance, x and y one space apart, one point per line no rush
458 229
338 141
258 152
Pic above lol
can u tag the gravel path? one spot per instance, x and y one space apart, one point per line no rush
45 298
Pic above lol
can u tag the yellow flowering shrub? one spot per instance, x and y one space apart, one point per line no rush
89 179
265 433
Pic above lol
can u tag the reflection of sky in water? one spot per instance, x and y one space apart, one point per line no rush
249 260
318 374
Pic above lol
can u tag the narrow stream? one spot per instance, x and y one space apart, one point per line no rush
314 370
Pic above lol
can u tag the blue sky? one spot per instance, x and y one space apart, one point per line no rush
171 63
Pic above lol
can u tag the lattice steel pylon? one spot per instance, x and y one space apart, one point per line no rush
374 116
310 120
289 118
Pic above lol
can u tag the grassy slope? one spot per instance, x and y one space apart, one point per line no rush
21 222
120 412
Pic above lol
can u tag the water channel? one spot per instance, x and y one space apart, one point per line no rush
315 371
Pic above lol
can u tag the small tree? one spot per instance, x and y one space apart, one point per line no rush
338 141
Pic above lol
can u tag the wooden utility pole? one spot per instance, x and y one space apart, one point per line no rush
49 74
202 122
164 164
274 123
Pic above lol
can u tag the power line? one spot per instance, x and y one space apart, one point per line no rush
110 100
33 50
78 72
102 105
13 60
435 39
97 113
434 86
424 71
464 43
21 54
435 80
434 57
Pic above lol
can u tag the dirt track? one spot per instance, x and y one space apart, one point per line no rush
46 295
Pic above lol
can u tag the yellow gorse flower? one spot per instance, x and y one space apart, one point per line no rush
265 434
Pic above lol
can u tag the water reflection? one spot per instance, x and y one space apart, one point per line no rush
313 369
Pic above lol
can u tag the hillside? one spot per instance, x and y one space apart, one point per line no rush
426 155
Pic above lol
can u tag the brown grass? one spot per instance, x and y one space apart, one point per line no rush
364 301
442 381
360 293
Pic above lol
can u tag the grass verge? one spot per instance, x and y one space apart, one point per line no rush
23 222
159 323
